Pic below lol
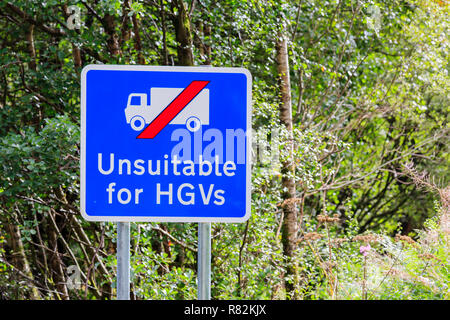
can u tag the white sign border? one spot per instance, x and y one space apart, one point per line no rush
202 69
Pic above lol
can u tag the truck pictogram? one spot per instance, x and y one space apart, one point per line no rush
138 113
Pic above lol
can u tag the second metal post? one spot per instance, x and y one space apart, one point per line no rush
123 261
204 261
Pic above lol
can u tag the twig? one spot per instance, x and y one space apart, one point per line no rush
173 238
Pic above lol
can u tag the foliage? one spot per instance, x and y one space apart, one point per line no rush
396 268
370 100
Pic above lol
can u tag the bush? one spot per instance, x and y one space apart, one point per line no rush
392 267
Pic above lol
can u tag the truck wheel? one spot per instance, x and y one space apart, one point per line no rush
137 123
193 124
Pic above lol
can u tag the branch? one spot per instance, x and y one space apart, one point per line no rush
173 238
192 7
94 13
26 17
94 54
297 20
343 183
39 96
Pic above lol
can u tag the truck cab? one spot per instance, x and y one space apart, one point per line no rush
137 100
137 110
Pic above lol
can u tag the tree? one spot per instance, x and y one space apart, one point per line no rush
353 91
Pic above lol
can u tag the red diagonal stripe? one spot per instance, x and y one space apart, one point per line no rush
174 108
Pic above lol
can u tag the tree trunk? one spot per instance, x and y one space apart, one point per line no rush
19 258
56 263
32 65
137 40
183 35
207 40
203 44
76 52
31 48
125 32
110 29
164 37
290 211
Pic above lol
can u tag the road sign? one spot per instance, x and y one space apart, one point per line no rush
165 143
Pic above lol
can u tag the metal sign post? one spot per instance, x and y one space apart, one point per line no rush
123 261
204 261
165 144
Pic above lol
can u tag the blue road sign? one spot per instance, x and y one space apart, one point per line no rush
165 143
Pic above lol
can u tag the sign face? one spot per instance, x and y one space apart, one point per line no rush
165 143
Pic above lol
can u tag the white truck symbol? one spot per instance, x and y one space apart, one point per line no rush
138 113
